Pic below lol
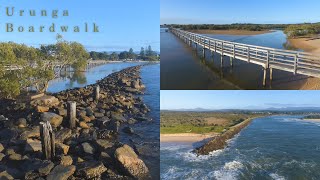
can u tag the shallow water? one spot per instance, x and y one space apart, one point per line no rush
182 67
146 140
277 147
73 80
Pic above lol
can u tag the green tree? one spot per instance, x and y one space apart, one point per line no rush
142 53
114 56
131 54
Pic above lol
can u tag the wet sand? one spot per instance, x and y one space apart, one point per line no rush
313 120
230 32
186 137
311 45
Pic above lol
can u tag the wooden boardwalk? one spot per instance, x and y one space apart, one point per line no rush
269 58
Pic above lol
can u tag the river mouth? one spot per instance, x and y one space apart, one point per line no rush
183 67
256 153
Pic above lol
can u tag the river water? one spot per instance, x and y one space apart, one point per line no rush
146 139
182 67
275 147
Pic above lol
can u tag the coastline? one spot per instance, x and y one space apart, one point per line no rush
186 137
312 120
230 32
220 141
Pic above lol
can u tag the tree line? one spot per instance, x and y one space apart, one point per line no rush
299 30
146 54
237 26
36 66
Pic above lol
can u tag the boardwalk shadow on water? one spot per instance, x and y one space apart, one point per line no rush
184 67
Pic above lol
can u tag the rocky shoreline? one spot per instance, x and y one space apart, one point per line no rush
89 151
220 142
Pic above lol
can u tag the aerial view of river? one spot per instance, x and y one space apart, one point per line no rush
275 147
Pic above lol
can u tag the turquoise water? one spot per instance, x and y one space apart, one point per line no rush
277 147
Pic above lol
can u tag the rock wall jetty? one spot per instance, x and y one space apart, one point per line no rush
85 148
220 142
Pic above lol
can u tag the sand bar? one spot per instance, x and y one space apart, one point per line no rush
313 120
185 137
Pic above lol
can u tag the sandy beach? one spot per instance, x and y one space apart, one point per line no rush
185 137
313 120
230 32
311 45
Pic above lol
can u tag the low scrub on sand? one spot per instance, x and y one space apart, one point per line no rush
201 122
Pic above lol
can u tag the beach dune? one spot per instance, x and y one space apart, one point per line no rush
185 137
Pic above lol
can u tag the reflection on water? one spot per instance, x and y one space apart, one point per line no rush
69 80
183 67
277 147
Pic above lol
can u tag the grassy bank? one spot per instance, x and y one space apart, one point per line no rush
201 122
190 128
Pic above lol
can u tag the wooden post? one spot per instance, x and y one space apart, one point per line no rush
264 76
268 59
248 54
231 61
71 112
97 93
222 49
204 52
47 140
221 61
271 75
295 64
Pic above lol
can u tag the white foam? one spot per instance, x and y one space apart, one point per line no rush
229 171
276 176
234 165
172 173
192 157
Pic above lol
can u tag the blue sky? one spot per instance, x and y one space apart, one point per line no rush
238 11
122 23
171 100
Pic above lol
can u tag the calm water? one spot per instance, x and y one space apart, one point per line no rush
146 138
82 79
277 147
182 67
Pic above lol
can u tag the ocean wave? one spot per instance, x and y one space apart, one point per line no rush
172 173
229 171
193 157
276 176
171 147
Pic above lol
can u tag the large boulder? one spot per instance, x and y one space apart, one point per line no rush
46 101
89 170
33 146
54 119
63 134
130 163
88 148
61 172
